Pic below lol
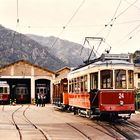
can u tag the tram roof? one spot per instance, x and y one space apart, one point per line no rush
103 63
113 62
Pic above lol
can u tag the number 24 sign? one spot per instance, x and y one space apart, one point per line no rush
121 95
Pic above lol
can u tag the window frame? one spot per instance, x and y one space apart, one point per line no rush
104 81
121 80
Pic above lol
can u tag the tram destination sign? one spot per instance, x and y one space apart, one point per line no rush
116 56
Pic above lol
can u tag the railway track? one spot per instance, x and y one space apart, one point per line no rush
128 129
119 130
61 125
79 134
93 126
25 123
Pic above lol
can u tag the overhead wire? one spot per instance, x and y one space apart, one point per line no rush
134 34
126 9
17 24
113 19
17 28
133 5
106 25
127 35
111 25
65 26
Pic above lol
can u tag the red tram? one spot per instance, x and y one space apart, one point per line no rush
21 93
104 86
4 92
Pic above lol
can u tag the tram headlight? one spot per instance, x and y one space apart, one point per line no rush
121 103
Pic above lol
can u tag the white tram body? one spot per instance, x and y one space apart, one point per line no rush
111 77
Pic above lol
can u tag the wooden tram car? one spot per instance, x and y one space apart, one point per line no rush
21 93
4 92
60 96
104 86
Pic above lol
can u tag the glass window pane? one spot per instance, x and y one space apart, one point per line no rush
138 75
94 81
5 90
120 79
130 79
85 83
1 89
106 79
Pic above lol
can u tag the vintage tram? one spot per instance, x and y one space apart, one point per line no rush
104 86
43 89
21 93
60 90
4 92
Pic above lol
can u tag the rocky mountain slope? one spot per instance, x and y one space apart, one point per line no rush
67 51
39 50
15 46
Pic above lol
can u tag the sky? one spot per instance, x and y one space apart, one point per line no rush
116 21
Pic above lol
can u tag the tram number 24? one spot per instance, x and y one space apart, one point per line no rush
121 95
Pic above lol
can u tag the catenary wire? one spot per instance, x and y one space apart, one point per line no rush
126 9
133 5
106 25
113 20
127 35
111 25
64 27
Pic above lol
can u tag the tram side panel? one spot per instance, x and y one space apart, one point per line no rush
117 101
56 95
81 100
60 94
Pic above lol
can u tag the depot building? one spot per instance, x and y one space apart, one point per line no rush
25 74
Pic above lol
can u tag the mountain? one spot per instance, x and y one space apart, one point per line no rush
68 52
15 46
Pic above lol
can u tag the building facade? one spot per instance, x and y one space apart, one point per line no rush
24 72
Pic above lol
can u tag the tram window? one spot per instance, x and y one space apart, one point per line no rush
94 80
138 75
17 90
74 84
65 87
82 85
1 89
22 91
120 79
70 86
37 90
85 83
78 85
5 90
45 90
130 79
139 85
106 79
26 91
